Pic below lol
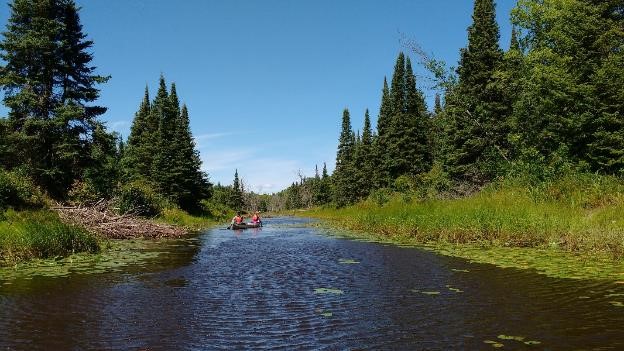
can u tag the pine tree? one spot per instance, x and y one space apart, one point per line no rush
344 174
437 110
417 155
139 155
381 174
48 84
193 182
477 114
364 164
236 194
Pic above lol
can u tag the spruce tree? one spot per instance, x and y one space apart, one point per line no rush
477 114
192 182
344 175
236 194
364 165
49 84
139 154
381 174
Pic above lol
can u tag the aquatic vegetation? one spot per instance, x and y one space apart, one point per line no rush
454 289
510 337
114 256
328 291
494 344
347 261
430 293
324 313
617 303
40 234
574 227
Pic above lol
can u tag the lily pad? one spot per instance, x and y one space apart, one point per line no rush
347 261
532 342
460 270
495 344
328 291
511 337
454 289
617 303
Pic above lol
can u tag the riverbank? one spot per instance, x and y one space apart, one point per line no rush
578 217
44 234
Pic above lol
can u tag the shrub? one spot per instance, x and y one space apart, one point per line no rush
140 198
83 192
18 191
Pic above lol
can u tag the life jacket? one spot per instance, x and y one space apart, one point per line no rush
255 218
238 219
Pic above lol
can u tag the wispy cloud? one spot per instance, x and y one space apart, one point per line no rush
117 125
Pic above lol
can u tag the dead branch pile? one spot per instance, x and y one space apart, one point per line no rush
101 221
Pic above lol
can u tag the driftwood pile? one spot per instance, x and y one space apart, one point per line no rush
100 220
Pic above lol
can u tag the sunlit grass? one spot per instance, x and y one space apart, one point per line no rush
580 214
181 218
40 234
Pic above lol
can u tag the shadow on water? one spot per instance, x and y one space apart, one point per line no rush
285 286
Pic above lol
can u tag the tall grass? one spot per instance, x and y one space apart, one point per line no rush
40 234
577 213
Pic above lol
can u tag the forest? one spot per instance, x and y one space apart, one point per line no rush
550 105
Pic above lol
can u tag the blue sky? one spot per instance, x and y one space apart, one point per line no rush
265 81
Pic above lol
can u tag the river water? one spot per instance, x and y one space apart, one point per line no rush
290 286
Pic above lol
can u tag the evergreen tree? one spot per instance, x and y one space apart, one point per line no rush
236 194
476 112
381 175
344 174
193 182
364 162
139 155
48 84
437 110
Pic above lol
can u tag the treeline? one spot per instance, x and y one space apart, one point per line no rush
52 143
552 104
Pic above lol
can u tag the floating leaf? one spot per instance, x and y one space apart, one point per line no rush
532 342
510 337
430 292
347 261
617 303
328 291
455 289
495 344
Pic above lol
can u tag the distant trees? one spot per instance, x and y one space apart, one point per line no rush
161 150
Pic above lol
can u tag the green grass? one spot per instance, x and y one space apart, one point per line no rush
40 234
181 218
580 213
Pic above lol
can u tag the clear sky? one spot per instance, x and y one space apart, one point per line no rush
265 81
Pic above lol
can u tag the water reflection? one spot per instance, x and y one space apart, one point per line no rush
285 286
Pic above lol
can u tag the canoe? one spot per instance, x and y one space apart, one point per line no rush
245 226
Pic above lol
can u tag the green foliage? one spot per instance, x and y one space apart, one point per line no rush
235 196
48 82
17 191
344 177
26 235
140 198
161 149
579 212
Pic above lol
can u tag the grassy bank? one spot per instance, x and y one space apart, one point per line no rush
40 234
191 222
583 214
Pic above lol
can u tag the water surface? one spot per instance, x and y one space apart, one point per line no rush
290 286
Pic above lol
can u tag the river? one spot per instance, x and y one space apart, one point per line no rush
292 286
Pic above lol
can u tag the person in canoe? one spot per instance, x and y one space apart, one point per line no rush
255 219
238 219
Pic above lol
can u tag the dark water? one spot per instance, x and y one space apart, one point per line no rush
257 290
